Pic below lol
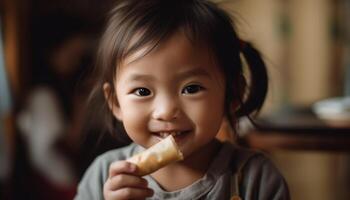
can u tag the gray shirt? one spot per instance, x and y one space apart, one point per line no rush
259 177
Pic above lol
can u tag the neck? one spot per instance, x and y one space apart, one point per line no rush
182 174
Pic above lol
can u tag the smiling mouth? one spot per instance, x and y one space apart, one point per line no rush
165 134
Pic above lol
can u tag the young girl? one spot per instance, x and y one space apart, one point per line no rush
174 67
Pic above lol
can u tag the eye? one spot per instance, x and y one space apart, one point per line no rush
141 92
192 89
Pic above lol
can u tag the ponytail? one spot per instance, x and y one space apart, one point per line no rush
254 100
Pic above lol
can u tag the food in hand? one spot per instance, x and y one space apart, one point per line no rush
157 156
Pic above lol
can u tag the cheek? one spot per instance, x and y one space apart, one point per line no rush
134 119
207 115
211 120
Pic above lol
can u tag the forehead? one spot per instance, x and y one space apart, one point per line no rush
179 46
176 55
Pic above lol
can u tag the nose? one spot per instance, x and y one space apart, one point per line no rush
166 109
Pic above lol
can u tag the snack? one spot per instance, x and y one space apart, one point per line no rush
157 156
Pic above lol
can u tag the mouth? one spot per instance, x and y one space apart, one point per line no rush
175 134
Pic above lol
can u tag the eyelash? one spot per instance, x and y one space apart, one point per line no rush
197 88
139 91
190 89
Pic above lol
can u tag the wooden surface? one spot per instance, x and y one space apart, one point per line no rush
280 140
297 130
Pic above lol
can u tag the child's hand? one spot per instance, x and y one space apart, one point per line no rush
122 183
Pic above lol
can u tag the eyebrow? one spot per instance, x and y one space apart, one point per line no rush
180 76
193 72
140 77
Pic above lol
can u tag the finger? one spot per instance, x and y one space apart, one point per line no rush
131 193
119 167
125 180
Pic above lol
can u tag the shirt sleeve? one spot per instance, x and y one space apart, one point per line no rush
91 185
263 181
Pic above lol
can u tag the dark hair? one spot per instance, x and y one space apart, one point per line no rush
153 21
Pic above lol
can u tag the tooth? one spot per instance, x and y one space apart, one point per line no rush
163 134
166 134
175 133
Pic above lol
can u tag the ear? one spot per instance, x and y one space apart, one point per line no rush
112 101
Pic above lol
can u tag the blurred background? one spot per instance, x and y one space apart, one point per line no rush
46 57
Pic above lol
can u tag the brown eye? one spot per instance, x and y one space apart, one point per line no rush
192 89
142 92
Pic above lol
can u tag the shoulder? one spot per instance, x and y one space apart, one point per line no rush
260 178
91 185
117 154
250 160
102 162
259 166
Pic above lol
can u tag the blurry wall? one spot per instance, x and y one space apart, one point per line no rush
309 51
306 52
5 111
301 43
259 22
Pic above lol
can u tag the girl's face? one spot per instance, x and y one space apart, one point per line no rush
176 89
